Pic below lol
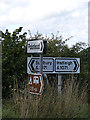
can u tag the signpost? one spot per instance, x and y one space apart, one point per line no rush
59 83
66 66
49 65
53 65
35 84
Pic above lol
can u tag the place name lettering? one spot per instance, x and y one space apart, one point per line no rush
33 46
44 63
64 63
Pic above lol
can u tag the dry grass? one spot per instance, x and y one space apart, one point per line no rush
69 104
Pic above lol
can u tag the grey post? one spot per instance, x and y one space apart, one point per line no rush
59 83
41 63
0 76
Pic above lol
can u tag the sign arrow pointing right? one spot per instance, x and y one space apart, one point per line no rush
76 65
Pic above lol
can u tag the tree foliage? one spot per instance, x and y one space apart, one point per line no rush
13 59
14 56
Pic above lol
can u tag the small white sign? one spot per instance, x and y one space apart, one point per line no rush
35 46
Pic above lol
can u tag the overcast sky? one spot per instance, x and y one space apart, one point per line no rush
69 17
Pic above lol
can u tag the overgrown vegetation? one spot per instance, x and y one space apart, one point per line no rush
13 60
72 103
51 104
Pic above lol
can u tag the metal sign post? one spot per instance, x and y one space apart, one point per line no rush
59 83
41 63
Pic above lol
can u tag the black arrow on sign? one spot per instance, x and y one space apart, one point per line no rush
76 65
41 46
31 65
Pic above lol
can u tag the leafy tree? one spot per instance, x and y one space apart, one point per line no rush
84 65
57 47
77 48
13 59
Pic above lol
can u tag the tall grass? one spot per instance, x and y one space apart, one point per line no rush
69 104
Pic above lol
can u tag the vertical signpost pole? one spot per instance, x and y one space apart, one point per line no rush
59 83
41 63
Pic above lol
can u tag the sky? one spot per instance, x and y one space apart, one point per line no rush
69 17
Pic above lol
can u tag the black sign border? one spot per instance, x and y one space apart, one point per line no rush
34 58
66 59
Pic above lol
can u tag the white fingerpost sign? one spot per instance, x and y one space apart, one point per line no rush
35 46
67 65
33 65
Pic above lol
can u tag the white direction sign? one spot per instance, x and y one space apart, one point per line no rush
33 65
35 46
67 65
53 65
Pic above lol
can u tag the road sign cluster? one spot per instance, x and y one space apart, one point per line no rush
48 65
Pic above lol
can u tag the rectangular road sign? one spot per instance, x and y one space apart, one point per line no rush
53 65
33 65
67 65
35 46
35 84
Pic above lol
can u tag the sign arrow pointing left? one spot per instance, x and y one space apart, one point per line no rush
30 65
